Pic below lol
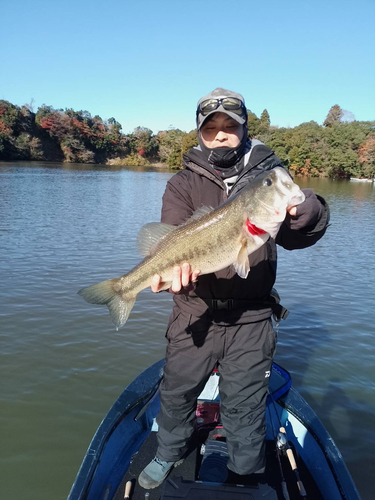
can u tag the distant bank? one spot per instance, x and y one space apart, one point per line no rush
336 149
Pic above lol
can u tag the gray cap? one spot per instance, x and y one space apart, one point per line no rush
219 93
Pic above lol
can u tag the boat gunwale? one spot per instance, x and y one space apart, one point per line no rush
143 389
291 402
116 414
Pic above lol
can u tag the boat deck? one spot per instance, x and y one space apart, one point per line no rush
125 443
269 487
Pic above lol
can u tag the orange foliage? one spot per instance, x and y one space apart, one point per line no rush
82 127
4 129
366 151
47 122
305 170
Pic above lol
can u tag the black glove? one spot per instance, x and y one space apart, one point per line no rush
308 212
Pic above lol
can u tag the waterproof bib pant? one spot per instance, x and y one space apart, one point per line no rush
245 354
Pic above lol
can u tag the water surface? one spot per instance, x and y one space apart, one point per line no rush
63 363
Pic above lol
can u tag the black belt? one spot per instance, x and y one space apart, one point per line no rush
278 310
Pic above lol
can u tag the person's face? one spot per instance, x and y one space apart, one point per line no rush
221 131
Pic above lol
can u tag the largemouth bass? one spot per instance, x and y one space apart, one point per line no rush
210 241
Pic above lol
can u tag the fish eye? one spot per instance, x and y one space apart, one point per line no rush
267 182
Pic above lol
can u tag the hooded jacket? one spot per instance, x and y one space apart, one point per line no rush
199 185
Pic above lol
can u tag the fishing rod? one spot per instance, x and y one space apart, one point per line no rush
128 488
283 482
283 444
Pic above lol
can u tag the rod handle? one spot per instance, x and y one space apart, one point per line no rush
128 488
293 464
292 461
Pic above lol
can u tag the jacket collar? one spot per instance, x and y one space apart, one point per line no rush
193 161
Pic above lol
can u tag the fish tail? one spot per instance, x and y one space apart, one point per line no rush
109 293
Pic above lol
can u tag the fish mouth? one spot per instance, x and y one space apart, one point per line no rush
296 199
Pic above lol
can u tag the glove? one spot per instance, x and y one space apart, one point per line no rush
308 212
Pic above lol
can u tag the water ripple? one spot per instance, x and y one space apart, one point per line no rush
65 227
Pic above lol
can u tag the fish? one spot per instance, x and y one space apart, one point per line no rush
211 240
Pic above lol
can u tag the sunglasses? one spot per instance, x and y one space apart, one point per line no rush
229 103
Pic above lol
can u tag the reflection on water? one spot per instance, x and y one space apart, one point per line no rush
65 226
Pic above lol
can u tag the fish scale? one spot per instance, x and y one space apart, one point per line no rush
211 242
199 255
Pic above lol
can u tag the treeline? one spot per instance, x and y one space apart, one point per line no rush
341 147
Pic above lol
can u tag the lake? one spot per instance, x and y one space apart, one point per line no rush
63 364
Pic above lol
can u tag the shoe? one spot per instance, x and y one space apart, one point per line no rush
156 471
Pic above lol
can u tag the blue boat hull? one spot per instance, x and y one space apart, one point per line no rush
131 419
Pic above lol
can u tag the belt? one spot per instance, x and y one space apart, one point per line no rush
278 310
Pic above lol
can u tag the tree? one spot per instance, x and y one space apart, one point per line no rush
143 142
366 156
170 143
189 141
342 147
253 124
10 116
264 122
334 116
114 123
76 152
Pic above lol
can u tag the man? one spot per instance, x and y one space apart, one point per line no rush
220 317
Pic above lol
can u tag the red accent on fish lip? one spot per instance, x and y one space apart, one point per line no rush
255 231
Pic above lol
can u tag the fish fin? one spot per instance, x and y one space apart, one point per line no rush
150 235
242 265
105 293
200 212
119 310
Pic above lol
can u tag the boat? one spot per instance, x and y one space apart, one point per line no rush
358 179
302 458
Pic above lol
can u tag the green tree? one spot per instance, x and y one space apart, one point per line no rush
75 151
114 125
343 164
170 144
264 123
280 141
253 124
10 116
10 127
142 142
189 140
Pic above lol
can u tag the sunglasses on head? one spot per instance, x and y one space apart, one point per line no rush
229 103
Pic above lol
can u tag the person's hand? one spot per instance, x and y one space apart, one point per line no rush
306 214
183 276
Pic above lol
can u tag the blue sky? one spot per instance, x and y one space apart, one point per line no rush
148 62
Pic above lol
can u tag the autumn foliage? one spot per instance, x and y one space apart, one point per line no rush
338 148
